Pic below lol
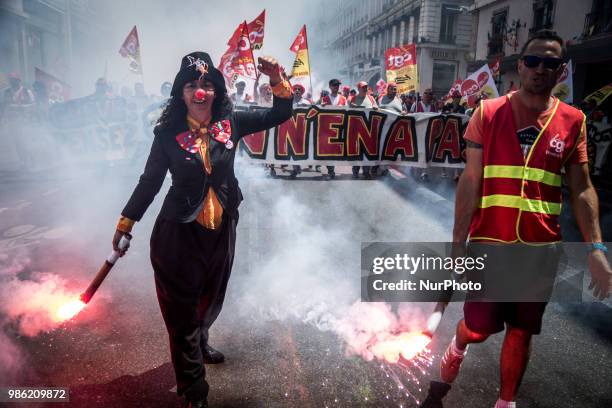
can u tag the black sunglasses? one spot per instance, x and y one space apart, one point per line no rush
533 61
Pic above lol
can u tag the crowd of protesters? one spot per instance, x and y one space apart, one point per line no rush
34 110
22 108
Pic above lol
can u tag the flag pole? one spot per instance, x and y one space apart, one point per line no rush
308 55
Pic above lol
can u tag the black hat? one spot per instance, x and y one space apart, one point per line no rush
193 66
334 81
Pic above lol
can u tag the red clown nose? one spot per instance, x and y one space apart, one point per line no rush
199 94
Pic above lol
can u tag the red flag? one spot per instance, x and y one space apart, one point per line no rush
300 43
238 59
256 31
131 50
494 67
58 91
455 88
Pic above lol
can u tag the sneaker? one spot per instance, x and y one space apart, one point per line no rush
450 363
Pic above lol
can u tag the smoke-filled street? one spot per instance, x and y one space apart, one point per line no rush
292 330
315 203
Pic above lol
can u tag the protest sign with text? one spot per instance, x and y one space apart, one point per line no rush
401 66
336 136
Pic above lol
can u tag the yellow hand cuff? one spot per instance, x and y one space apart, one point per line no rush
125 224
282 90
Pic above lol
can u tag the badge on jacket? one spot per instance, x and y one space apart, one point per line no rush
221 131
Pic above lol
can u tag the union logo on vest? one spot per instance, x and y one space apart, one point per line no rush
555 147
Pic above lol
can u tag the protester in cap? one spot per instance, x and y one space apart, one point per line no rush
193 240
390 101
240 97
17 97
426 104
323 95
263 93
519 147
333 99
17 94
362 100
407 101
298 101
298 96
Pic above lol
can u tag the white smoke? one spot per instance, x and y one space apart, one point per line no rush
313 275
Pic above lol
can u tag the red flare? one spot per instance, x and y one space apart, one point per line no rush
405 345
68 310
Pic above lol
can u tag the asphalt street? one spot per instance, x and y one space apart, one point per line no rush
283 327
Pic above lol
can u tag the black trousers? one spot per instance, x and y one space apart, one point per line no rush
192 268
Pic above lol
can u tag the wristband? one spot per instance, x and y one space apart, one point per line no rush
598 245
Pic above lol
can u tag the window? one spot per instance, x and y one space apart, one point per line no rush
542 15
443 76
498 32
448 24
599 20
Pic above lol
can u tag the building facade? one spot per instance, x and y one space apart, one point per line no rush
47 34
503 27
356 35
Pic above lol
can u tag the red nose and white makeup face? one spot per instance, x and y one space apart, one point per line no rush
198 96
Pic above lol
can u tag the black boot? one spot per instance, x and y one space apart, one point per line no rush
202 403
212 356
437 391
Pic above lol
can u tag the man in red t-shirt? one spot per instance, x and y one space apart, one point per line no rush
540 65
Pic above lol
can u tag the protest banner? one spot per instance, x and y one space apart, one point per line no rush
335 136
95 128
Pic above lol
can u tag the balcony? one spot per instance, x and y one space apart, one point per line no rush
596 24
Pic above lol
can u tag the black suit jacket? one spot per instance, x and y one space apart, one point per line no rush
189 180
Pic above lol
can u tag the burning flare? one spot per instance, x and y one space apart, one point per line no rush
406 345
68 310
